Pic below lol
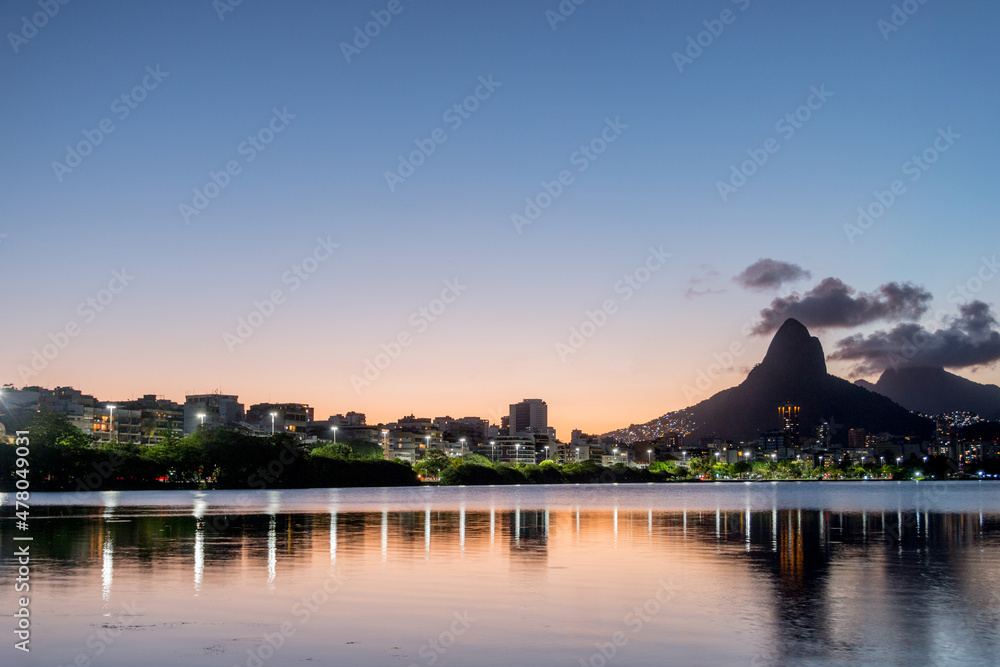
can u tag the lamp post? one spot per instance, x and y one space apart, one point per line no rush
649 456
493 450
517 454
577 454
111 420
427 442
201 416
334 429
273 415
461 441
546 452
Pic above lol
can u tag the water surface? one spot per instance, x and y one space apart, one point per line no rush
807 573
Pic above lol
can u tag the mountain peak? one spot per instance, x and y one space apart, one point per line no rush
794 351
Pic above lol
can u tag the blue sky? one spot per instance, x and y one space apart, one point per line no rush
324 176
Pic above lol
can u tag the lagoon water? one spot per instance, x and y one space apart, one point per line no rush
866 573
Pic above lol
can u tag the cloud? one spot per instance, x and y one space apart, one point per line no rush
970 339
766 274
833 304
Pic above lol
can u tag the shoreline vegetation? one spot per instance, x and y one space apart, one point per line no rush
63 458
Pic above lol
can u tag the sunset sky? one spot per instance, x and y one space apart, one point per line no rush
640 123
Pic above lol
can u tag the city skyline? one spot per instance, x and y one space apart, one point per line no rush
624 171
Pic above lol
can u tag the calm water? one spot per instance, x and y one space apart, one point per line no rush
698 574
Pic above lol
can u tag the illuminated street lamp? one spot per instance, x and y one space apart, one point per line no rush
577 454
201 416
273 415
493 450
461 441
111 420
546 452
427 442
649 456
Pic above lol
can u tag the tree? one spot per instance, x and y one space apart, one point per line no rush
433 463
702 466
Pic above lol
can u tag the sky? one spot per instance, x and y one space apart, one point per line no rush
261 199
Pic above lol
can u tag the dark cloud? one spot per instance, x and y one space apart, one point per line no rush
970 339
765 274
833 304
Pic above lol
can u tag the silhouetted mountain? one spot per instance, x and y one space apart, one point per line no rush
935 390
794 371
866 384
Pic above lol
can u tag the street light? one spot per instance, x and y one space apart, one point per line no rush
493 450
649 456
201 416
461 441
517 454
577 454
111 423
546 452
427 442
273 415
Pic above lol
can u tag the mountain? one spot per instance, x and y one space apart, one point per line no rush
935 390
794 371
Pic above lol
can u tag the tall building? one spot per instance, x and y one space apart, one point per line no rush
788 415
211 410
529 416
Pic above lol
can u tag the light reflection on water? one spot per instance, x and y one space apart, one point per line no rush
741 574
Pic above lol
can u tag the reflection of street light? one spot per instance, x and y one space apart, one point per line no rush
273 415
